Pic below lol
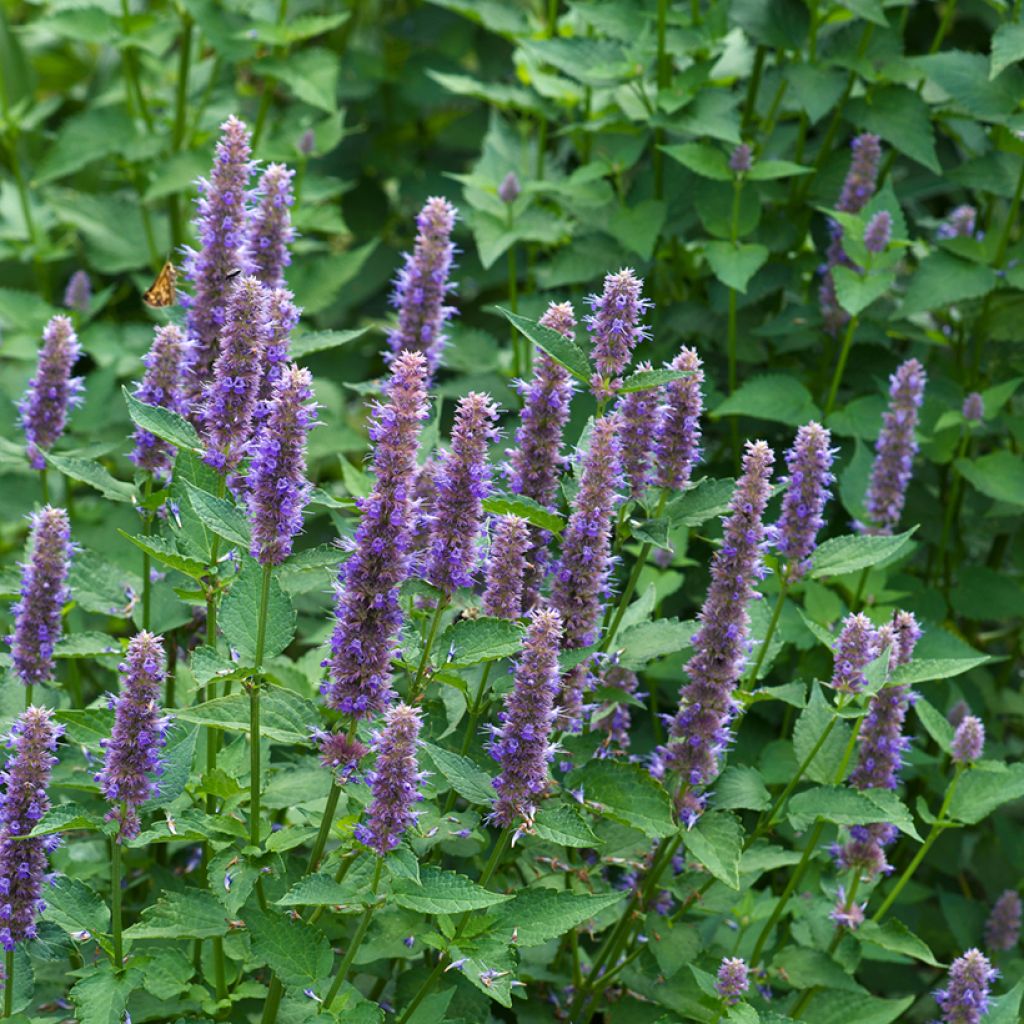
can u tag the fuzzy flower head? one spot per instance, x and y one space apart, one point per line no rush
78 293
959 224
733 979
878 232
23 862
677 436
509 189
43 592
163 384
968 741
895 448
857 646
133 752
974 408
741 159
964 1000
864 850
809 479
463 482
422 285
307 143
561 317
522 740
847 914
283 317
506 567
1002 929
270 226
612 718
394 781
339 752
52 391
638 413
368 614
615 328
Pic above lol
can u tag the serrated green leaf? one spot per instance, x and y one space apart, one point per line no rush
717 842
844 806
539 915
463 775
444 892
189 914
643 380
72 905
163 423
625 793
942 279
703 159
856 291
92 473
297 952
560 348
998 475
987 786
165 552
526 508
321 891
772 397
101 997
472 641
896 937
841 555
323 341
220 516
562 824
240 612
284 716
735 264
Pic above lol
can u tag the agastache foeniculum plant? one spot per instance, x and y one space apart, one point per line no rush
528 686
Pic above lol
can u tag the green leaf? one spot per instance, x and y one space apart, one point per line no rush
444 892
526 508
774 397
298 953
295 30
703 159
964 77
1007 47
936 724
541 914
562 824
463 775
902 118
95 134
321 891
642 380
646 641
472 641
835 1006
75 907
240 614
163 423
717 842
220 516
769 170
101 996
560 348
810 726
735 265
284 716
998 475
1005 1009
985 787
165 552
856 291
66 818
323 341
924 670
166 973
178 755
639 227
842 555
625 793
844 806
704 500
92 473
942 279
87 644
311 73
189 914
896 937
740 787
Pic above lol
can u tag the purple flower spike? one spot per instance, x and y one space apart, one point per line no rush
277 486
1002 929
23 862
615 328
733 979
463 482
809 463
221 224
677 438
964 1000
78 293
638 414
162 384
699 732
878 232
394 781
367 611
895 448
509 189
974 408
959 224
741 159
52 391
506 567
140 732
857 646
847 914
522 741
44 590
968 741
561 317
283 316
307 143
612 718
339 752
232 393
422 284
270 226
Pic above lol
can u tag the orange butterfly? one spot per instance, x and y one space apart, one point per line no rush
162 291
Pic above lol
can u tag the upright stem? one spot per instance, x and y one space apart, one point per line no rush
325 827
147 529
357 939
9 983
28 695
180 120
734 233
115 901
664 75
131 72
844 354
751 680
513 302
435 624
267 94
44 485
254 711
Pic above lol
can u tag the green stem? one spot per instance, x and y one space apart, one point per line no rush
952 507
664 78
147 529
844 354
357 939
44 484
861 584
180 120
115 901
9 983
513 302
267 95
435 624
944 25
751 680
254 711
325 827
752 90
131 71
29 690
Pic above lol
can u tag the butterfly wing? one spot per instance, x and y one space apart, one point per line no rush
162 292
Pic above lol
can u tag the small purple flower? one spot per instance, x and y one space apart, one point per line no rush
964 1000
677 437
307 143
974 408
277 488
809 463
270 226
163 384
23 862
864 851
847 914
611 718
561 317
44 591
463 482
522 741
958 712
422 284
615 328
959 224
968 741
52 391
638 415
733 979
1002 929
896 448
878 232
509 189
857 646
140 732
506 567
339 752
283 316
78 293
394 781
741 159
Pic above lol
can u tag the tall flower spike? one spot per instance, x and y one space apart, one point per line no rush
394 781
162 384
506 567
23 862
52 391
733 980
857 646
582 575
283 316
1002 929
677 438
367 611
699 732
895 448
422 284
277 486
463 482
964 1000
959 224
638 414
220 225
133 751
231 395
270 226
44 590
612 718
968 741
615 328
522 741
809 463
78 293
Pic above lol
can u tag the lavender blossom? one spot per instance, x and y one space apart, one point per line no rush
677 437
307 143
968 741
561 317
44 591
394 781
699 732
612 718
339 752
140 732
733 979
506 568
23 862
878 232
615 328
1002 929
509 189
422 284
741 159
270 226
221 224
367 610
283 316
638 414
847 913
162 384
857 646
958 712
463 482
78 293
231 395
964 1000
522 741
959 224
52 391
809 463
277 486
974 408
895 448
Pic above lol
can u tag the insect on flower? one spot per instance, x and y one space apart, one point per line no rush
163 291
